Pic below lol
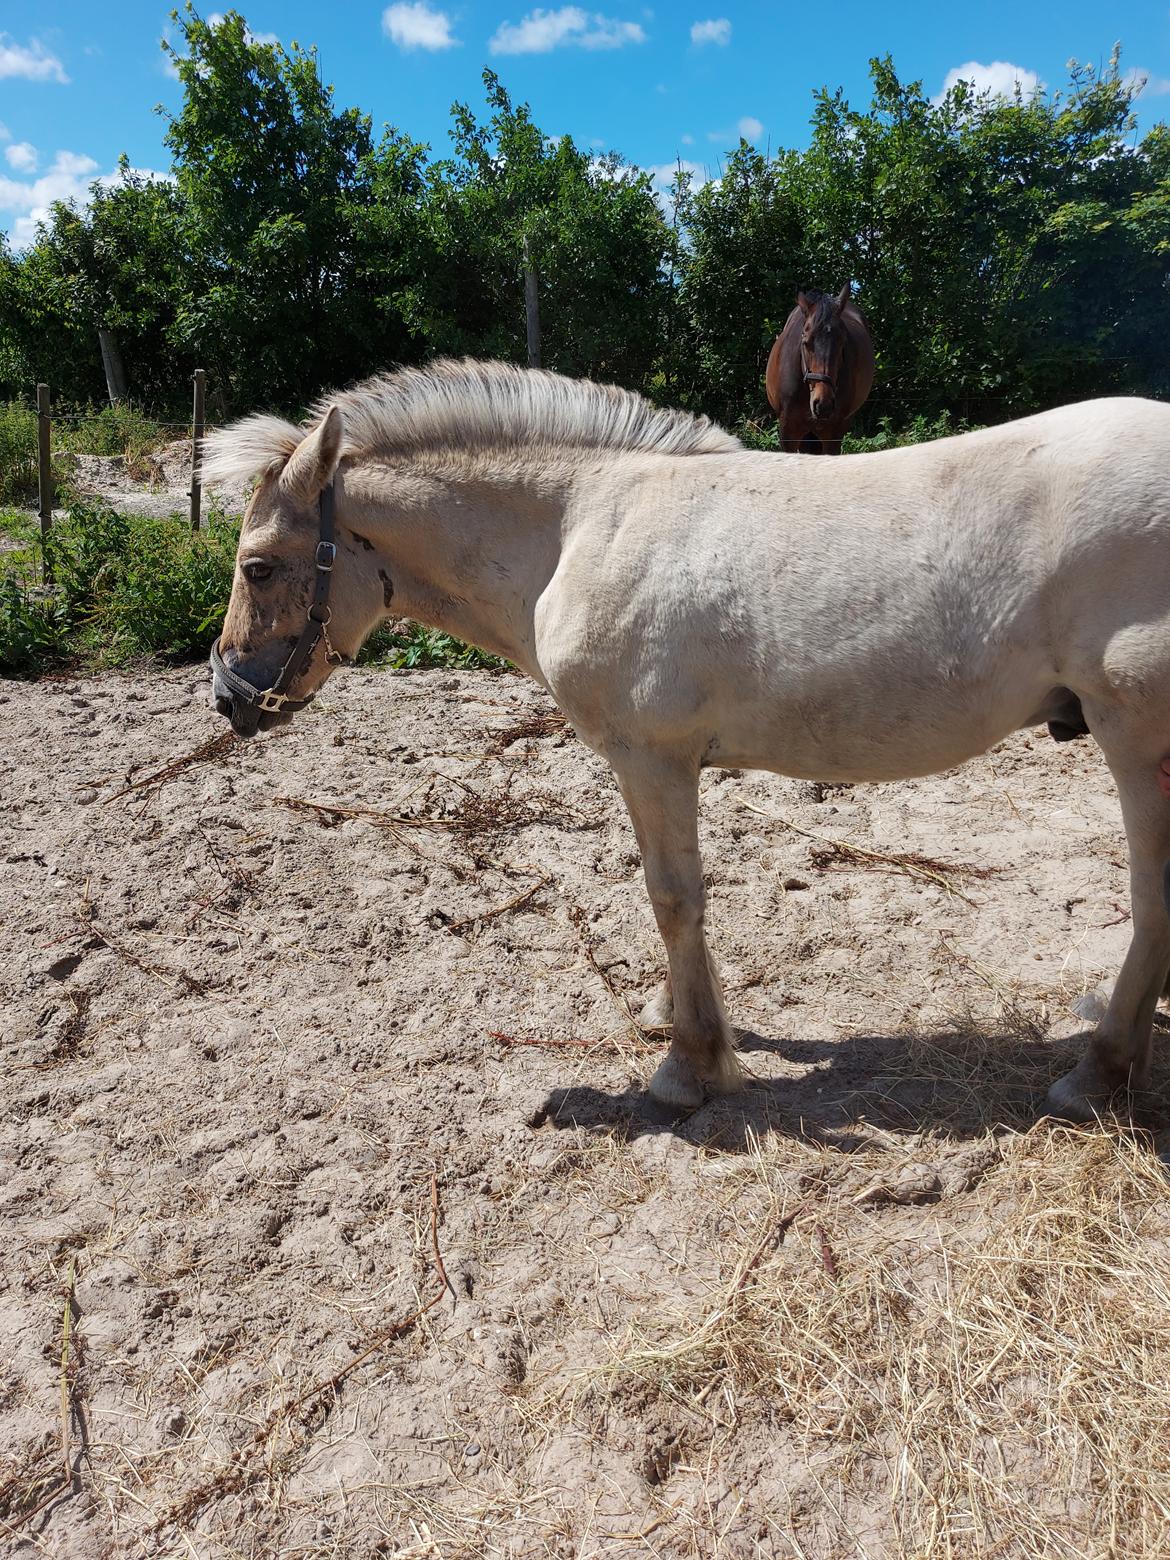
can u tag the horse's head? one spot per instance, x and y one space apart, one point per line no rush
301 603
822 338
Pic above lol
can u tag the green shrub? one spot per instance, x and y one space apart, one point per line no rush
18 453
406 645
34 628
919 430
113 430
122 586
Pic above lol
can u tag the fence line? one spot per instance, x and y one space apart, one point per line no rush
45 484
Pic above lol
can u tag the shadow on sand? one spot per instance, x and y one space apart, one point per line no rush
959 1083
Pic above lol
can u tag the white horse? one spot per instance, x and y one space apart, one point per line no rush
690 603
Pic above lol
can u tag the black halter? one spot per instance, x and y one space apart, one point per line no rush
273 699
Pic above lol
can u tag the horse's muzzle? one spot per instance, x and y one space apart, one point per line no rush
245 719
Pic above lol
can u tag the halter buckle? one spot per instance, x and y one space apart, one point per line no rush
271 703
326 556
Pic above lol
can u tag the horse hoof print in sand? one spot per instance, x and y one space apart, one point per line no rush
689 603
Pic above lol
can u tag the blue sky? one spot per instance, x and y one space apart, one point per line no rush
79 82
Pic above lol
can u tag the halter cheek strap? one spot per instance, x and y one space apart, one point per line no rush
273 699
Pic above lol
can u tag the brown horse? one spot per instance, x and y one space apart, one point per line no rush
820 371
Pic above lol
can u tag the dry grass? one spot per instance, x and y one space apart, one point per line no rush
998 1380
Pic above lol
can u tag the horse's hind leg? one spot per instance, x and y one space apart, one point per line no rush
1118 1057
663 798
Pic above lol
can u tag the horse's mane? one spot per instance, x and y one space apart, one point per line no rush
463 405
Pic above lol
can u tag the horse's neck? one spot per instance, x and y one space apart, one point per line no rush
468 555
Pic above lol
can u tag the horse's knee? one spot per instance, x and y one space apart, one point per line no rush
676 910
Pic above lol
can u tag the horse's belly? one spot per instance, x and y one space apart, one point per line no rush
815 740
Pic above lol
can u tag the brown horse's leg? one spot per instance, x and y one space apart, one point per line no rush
662 794
831 439
794 429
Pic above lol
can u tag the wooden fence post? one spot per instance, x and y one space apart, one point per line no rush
532 307
44 477
196 436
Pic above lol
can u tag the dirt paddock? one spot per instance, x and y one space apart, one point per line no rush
335 1221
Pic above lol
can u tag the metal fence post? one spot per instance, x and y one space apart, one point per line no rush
44 478
196 437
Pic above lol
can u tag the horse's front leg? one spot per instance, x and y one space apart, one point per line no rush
663 798
793 425
1119 1054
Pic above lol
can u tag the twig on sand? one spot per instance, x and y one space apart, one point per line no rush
239 1471
553 724
770 1243
458 927
87 915
828 1260
66 1486
206 753
830 853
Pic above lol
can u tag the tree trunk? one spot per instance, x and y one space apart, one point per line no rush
112 363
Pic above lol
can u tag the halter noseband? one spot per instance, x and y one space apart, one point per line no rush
814 379
274 699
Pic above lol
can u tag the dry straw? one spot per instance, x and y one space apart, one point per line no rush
998 1388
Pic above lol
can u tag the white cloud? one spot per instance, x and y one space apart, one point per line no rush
1145 82
687 140
717 31
663 176
69 178
5 133
22 156
416 26
32 62
747 128
542 31
999 78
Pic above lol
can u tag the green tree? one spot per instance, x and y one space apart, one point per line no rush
279 188
118 265
594 231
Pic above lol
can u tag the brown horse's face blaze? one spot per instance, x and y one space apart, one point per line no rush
274 585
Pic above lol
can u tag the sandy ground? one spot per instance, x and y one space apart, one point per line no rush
167 492
281 1022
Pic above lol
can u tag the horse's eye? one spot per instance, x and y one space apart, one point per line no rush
255 572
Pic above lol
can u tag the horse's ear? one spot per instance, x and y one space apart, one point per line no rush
845 295
805 302
311 465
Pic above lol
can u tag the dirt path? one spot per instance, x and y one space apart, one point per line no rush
254 1011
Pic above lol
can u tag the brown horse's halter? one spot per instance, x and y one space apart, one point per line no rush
815 379
273 699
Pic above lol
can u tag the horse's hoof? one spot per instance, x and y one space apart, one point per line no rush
658 1012
675 1085
1067 1102
1087 1093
